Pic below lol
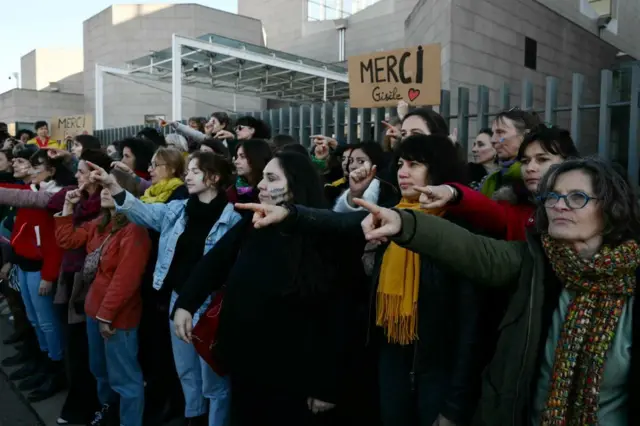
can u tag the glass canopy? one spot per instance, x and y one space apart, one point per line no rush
220 63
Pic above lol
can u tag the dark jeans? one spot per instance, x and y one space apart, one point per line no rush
163 390
82 399
400 405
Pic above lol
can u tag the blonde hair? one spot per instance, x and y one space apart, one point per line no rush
174 159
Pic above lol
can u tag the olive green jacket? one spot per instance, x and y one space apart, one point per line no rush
507 381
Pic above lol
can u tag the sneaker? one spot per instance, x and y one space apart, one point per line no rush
101 417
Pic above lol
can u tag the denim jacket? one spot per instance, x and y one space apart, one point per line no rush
169 220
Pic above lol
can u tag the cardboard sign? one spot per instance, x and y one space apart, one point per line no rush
72 125
382 79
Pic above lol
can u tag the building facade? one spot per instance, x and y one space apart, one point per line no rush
484 42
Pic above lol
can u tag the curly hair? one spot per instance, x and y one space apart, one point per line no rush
611 188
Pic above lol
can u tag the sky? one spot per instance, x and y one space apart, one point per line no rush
33 24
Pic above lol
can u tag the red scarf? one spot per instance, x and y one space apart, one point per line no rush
41 144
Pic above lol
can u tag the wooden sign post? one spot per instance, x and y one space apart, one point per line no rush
381 79
71 125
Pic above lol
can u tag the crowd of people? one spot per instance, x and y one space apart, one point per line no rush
228 276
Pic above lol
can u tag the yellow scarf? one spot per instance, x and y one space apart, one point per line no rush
399 282
161 191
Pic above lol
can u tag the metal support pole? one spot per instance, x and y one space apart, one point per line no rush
99 106
634 120
324 93
463 118
576 115
551 101
604 128
176 78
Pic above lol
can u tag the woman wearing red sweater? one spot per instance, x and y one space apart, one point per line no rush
508 215
117 255
37 258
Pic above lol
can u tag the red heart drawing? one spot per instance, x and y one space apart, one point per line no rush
413 94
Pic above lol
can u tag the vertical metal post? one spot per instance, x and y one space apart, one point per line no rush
378 127
274 118
304 135
338 120
294 122
365 124
352 125
176 78
505 97
445 106
577 86
526 101
551 101
324 92
633 168
316 125
99 105
463 118
326 116
483 107
604 129
284 121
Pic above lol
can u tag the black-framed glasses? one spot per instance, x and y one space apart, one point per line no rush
573 200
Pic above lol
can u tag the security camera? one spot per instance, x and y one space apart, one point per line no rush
603 21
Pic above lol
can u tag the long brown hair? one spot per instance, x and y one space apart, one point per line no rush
129 184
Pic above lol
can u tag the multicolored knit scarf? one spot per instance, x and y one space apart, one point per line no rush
603 285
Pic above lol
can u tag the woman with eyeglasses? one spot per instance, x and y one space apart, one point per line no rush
509 219
566 353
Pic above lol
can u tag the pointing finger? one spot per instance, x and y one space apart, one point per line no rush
367 205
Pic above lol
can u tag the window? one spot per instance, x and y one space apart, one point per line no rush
321 10
602 7
530 53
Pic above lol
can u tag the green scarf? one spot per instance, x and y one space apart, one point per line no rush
603 285
161 191
501 178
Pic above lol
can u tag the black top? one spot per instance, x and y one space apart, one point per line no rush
277 329
200 218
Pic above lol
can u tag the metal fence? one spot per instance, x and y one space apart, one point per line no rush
350 124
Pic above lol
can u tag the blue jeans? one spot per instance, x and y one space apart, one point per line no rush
200 384
41 314
114 364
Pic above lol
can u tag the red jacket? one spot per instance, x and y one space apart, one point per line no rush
33 238
501 219
114 295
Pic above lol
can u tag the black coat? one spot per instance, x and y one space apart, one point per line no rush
449 328
273 332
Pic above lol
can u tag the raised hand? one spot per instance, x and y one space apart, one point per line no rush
381 224
402 109
321 139
73 197
434 197
453 137
224 134
360 179
119 165
264 214
101 177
